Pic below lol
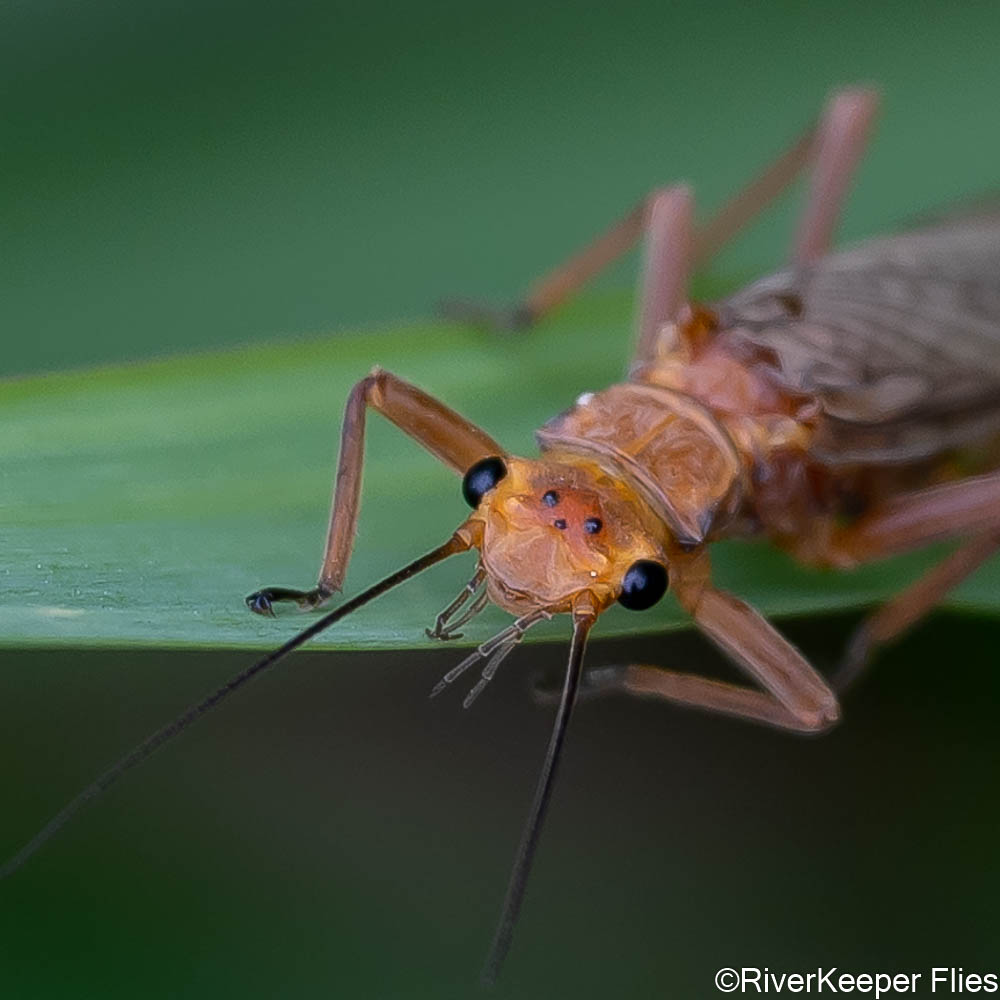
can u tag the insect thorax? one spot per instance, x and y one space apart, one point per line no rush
668 446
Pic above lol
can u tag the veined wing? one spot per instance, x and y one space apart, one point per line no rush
897 338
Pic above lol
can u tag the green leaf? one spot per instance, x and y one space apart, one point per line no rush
140 503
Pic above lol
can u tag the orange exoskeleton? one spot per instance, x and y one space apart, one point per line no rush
826 407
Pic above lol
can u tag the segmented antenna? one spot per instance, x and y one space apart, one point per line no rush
168 732
539 806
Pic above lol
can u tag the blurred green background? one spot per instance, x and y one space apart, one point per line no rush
181 176
187 174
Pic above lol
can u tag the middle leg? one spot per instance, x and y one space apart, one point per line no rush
902 612
968 509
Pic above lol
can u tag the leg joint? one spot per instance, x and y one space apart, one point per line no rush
820 719
371 389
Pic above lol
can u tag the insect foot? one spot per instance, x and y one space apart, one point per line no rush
261 602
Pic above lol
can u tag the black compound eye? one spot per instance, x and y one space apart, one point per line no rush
481 478
644 584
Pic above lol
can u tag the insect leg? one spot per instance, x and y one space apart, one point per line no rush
563 281
446 435
754 644
898 615
666 268
967 509
840 142
952 510
693 691
559 284
835 147
794 698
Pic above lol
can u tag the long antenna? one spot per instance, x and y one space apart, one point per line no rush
168 732
539 806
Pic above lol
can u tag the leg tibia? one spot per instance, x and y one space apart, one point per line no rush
448 436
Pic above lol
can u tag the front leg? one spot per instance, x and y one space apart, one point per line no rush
799 698
795 696
448 436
